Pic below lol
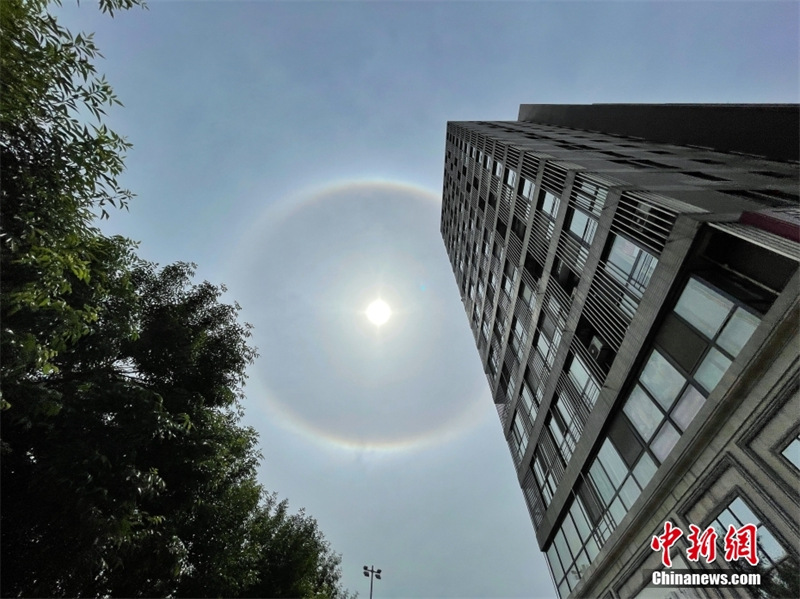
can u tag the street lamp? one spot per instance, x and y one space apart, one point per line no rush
371 571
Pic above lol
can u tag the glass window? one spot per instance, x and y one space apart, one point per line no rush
550 204
527 188
580 520
644 470
629 492
582 226
739 513
738 330
664 441
555 563
613 464
510 178
689 404
643 413
527 399
601 482
703 308
792 452
711 370
617 510
662 380
571 533
561 547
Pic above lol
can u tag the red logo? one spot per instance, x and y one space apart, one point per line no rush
702 544
665 541
741 544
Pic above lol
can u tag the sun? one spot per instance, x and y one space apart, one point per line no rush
378 312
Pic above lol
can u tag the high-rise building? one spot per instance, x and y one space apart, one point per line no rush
630 274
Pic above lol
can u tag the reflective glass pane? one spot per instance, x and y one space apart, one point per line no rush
703 308
644 470
580 520
555 563
604 487
613 464
618 511
664 441
738 330
623 256
689 404
561 546
582 563
792 452
662 380
592 548
579 373
643 413
573 577
527 399
726 519
629 492
571 534
742 512
769 544
711 370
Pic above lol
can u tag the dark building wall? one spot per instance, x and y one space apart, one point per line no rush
769 130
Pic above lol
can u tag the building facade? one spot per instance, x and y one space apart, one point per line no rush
630 275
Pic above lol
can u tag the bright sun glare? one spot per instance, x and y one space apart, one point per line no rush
378 312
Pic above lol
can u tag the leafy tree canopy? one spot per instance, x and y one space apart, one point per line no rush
126 470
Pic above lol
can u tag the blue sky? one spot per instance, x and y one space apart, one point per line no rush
295 151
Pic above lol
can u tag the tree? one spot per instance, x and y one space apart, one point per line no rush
125 468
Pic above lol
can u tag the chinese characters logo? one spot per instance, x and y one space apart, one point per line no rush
739 543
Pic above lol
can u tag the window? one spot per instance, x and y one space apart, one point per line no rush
630 265
583 381
582 227
792 452
737 514
498 168
519 436
527 189
526 294
703 308
721 321
510 177
548 203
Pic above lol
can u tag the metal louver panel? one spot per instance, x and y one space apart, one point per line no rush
503 211
522 209
586 358
523 313
574 402
533 499
609 308
514 249
572 253
588 194
643 222
502 412
541 234
530 166
553 178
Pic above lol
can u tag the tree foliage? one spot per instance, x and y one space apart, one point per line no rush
126 470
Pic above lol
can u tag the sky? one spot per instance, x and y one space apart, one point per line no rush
295 152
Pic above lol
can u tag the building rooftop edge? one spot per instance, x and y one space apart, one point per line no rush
770 131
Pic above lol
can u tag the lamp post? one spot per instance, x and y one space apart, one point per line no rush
372 572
